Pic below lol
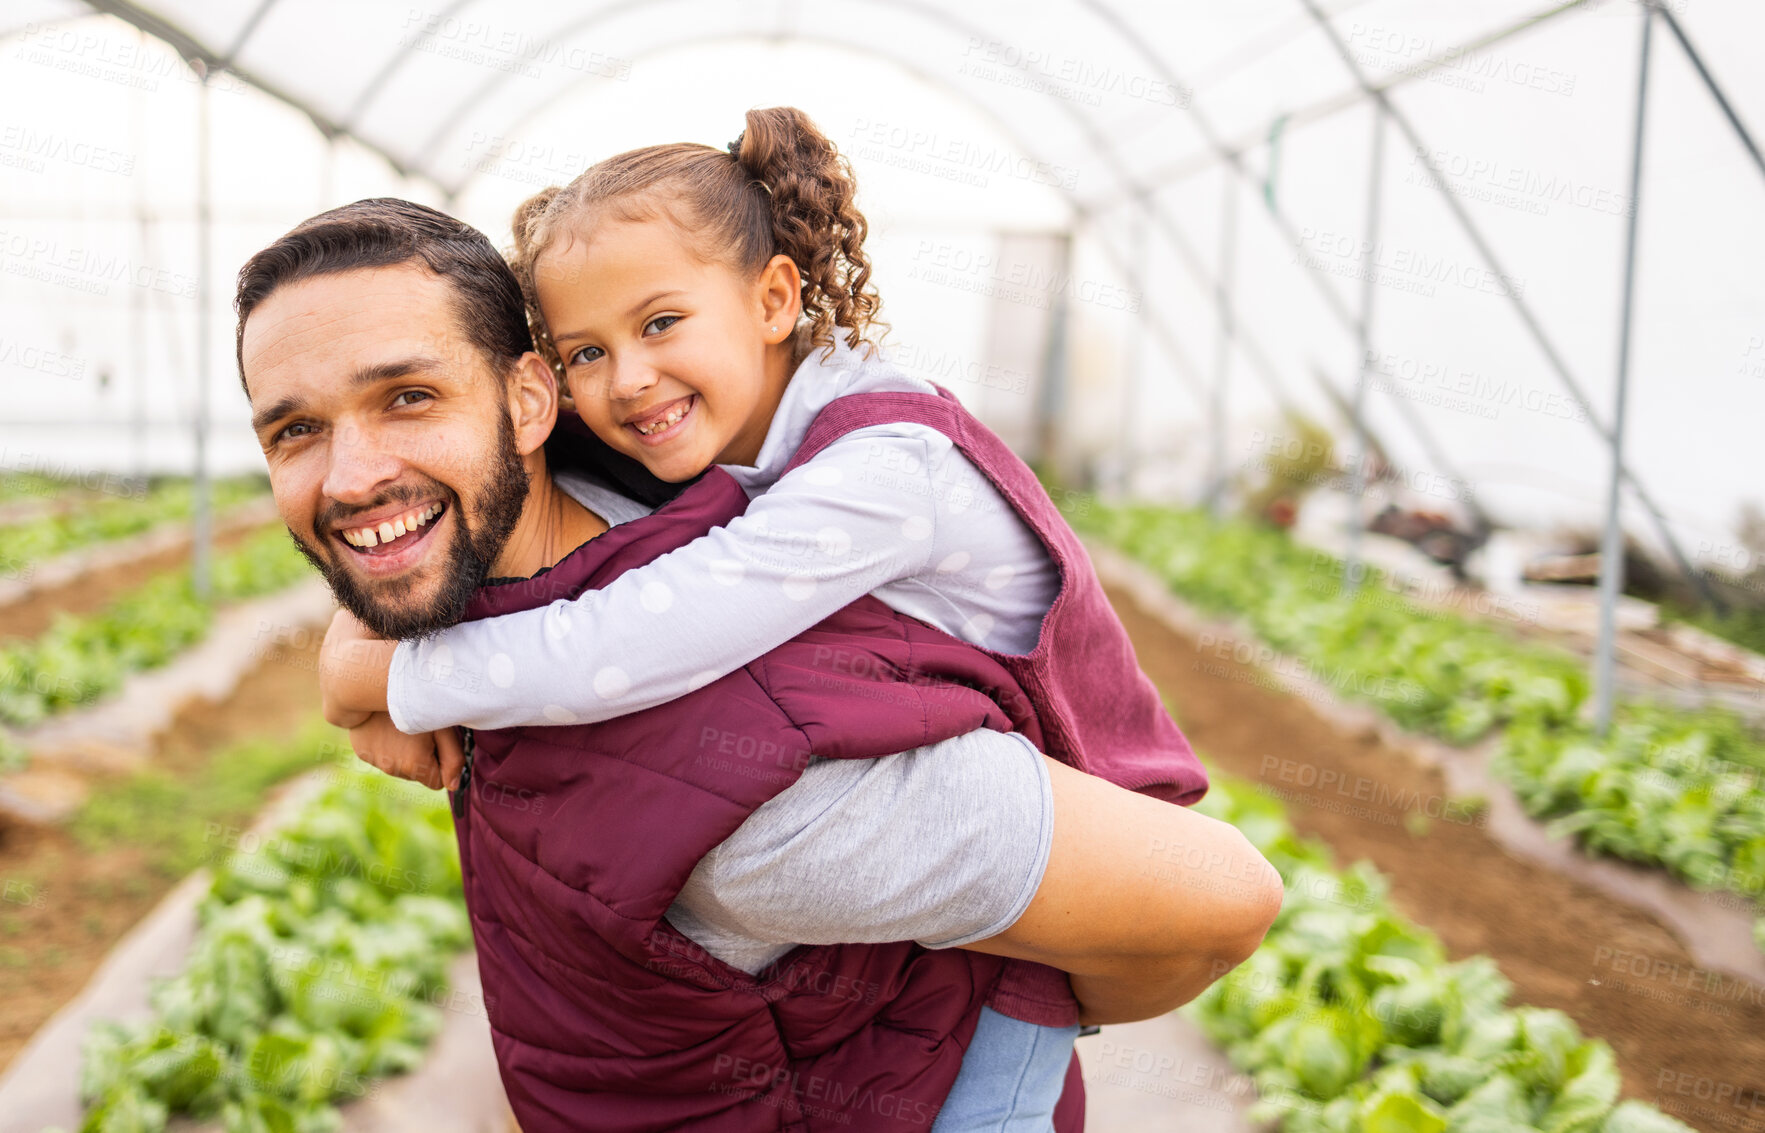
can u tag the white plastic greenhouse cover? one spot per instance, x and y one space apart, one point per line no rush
1125 110
1106 87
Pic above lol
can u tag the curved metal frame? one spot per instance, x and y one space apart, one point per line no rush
1131 188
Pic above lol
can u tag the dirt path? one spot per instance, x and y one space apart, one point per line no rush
62 905
96 589
1684 1038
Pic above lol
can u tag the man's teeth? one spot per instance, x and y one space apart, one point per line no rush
388 531
672 416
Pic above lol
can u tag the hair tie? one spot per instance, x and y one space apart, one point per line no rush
735 151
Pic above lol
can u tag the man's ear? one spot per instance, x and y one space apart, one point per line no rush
533 402
781 299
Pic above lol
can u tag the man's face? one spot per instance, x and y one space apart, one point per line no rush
389 442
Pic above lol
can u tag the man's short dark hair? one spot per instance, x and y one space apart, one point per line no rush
385 232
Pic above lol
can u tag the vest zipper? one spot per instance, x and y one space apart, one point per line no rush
459 798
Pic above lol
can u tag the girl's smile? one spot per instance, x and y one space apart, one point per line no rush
663 423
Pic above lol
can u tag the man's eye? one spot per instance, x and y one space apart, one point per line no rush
583 355
419 395
294 432
661 323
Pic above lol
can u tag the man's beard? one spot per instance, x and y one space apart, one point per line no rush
500 497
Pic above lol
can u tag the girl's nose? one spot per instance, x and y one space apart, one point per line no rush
631 378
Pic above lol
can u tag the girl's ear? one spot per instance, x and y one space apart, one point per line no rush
781 299
533 402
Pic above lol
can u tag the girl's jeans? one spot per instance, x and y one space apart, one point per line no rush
1010 1079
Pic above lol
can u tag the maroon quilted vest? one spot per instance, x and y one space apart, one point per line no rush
1098 712
574 841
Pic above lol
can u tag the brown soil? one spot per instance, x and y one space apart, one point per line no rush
95 589
1686 1040
63 906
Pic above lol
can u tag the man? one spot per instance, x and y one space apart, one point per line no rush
385 352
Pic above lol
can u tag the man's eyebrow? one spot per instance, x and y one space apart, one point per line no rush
283 408
397 368
363 376
632 313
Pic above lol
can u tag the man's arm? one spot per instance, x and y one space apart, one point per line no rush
1143 903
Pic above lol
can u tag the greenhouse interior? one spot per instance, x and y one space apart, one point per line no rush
1376 386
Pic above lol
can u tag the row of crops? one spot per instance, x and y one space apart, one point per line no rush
1667 787
1349 1019
321 960
82 657
90 521
320 965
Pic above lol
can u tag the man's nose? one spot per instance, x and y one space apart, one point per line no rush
359 467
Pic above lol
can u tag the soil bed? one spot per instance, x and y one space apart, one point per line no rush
1681 1034
64 903
96 589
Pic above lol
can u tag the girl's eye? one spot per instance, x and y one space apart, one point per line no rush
661 322
583 356
420 395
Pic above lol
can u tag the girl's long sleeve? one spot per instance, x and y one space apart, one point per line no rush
862 513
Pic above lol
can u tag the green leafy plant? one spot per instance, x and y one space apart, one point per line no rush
1428 671
1669 787
1351 1019
114 517
79 659
319 966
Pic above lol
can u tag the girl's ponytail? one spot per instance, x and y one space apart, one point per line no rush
780 188
815 220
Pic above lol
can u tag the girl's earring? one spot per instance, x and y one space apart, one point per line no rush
774 330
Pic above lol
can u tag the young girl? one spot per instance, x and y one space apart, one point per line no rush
704 308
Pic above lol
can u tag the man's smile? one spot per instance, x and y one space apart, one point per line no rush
387 545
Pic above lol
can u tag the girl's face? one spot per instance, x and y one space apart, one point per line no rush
671 360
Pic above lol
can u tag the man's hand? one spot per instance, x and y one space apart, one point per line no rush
432 759
353 668
1143 903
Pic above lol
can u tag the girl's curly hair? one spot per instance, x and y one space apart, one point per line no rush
781 187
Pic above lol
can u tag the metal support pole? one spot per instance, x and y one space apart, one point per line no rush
138 300
138 359
1728 111
202 536
1528 318
1352 566
1051 395
1612 542
1222 359
1133 383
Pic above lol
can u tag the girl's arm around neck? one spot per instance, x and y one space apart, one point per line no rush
809 546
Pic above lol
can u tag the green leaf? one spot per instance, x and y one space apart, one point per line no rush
1402 1113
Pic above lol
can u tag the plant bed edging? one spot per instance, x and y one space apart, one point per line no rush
117 733
1718 937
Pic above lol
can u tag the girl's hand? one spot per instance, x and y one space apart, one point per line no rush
432 759
353 667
